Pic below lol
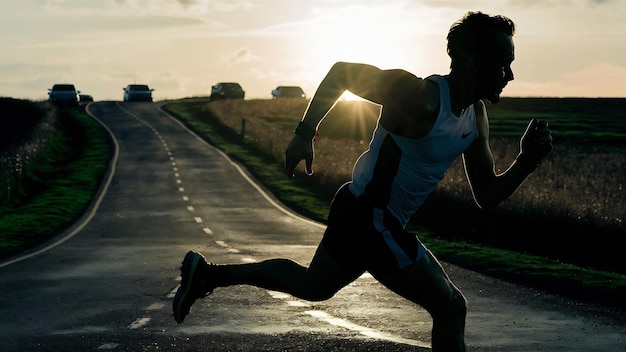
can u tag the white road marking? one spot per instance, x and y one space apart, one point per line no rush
139 323
321 315
190 208
198 219
362 329
156 306
181 189
207 231
108 346
185 198
222 244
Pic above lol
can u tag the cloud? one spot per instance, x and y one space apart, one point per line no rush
561 3
184 7
243 55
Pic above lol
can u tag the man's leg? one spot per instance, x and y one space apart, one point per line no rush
426 284
320 281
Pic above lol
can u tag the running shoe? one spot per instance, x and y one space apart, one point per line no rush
192 286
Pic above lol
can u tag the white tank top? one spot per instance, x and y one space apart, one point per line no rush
398 173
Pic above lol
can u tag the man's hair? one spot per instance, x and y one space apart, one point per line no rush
474 34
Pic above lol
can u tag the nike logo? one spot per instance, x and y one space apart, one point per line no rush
466 134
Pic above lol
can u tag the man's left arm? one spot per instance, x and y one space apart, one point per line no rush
488 187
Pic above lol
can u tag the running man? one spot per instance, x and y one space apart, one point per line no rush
425 124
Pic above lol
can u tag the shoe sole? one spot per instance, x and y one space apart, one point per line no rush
194 264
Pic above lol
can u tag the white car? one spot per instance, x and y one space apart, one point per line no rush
137 92
63 94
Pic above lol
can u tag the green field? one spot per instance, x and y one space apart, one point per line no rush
597 122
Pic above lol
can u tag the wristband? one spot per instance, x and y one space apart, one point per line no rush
305 131
526 164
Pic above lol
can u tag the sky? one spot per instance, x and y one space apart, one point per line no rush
564 48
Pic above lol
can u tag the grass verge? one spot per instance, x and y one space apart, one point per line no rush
305 198
59 186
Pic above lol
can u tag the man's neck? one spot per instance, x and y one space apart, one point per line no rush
462 91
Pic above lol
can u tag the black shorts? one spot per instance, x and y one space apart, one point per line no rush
366 238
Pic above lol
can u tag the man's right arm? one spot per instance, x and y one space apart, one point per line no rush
360 79
383 87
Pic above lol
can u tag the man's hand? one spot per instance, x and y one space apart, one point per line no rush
299 148
535 145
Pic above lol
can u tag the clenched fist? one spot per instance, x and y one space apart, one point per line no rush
535 144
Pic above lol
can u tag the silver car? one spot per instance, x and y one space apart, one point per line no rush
137 92
63 94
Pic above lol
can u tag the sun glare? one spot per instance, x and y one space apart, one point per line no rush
349 96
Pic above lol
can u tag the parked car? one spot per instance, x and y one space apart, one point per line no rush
227 90
63 94
138 92
85 98
288 92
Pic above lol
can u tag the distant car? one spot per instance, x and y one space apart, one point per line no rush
288 92
227 90
85 98
138 92
63 94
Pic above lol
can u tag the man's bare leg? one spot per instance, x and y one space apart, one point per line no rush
320 281
426 284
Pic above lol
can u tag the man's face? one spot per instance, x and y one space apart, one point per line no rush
494 69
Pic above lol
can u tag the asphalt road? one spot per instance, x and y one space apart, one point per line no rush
108 282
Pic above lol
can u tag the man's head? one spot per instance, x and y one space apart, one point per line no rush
483 45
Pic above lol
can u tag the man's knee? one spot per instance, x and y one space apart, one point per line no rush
458 304
316 294
455 306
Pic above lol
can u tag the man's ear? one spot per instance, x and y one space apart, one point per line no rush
473 62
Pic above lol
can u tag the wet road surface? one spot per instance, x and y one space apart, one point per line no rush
107 283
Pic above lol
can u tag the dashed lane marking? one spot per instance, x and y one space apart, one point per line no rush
221 244
139 323
108 346
156 306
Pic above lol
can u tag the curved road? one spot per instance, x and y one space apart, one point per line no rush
107 283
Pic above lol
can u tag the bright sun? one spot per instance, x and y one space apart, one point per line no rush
348 96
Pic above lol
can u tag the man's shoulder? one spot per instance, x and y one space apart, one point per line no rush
431 95
418 95
414 110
